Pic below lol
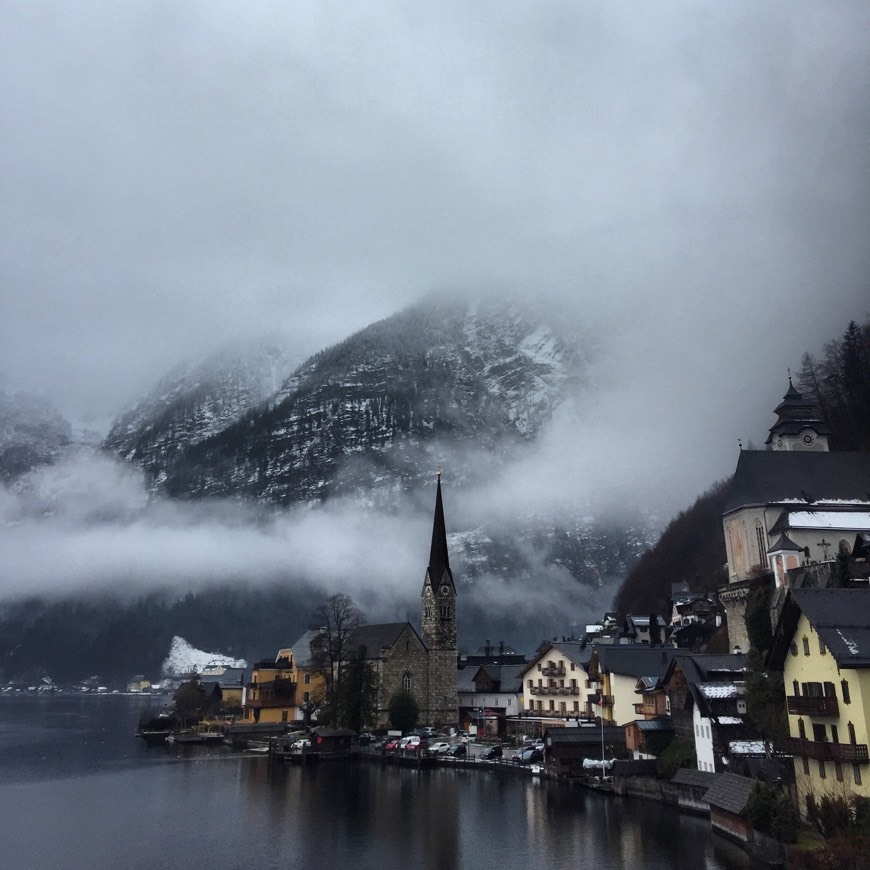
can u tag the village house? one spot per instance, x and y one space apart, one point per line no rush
707 705
554 682
614 672
488 695
822 645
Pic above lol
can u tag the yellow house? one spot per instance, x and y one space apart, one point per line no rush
288 689
822 645
554 683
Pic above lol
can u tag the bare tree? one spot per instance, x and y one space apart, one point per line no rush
338 617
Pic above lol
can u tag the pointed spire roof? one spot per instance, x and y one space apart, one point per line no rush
439 562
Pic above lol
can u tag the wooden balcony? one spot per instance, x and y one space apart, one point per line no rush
853 753
553 671
805 705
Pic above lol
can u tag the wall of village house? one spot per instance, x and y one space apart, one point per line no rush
810 665
703 729
622 688
569 704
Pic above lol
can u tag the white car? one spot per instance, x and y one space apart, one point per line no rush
299 745
439 748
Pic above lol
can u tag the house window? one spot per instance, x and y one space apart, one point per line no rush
838 770
806 762
844 685
283 715
539 666
797 688
819 733
822 774
307 679
562 708
834 736
576 706
306 697
806 647
793 649
852 739
802 731
572 666
856 772
822 649
552 705
406 681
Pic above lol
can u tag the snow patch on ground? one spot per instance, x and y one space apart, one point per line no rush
184 659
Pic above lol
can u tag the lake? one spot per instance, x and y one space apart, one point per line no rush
77 790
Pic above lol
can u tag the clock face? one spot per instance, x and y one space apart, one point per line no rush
779 442
808 439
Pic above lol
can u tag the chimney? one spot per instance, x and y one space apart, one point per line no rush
501 647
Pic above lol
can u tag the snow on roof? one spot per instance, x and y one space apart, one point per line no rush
718 690
746 747
729 720
851 520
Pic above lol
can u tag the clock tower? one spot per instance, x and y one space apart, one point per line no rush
799 425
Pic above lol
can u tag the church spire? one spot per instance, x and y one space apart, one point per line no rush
439 562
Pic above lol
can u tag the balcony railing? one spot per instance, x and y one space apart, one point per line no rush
805 705
553 670
824 751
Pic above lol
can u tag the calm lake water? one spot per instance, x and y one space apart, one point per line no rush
78 791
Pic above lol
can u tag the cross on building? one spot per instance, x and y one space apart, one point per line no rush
824 545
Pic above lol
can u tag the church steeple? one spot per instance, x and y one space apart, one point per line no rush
439 590
799 425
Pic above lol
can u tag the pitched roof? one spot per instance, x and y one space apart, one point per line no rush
575 651
635 660
377 637
661 723
730 792
840 616
783 476
796 413
586 735
301 647
691 776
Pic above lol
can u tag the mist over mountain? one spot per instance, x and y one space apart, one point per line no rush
32 433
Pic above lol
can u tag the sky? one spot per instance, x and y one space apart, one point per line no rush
691 178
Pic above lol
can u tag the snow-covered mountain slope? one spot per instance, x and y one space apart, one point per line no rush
32 433
374 414
196 400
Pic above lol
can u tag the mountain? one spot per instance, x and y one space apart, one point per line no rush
373 415
32 433
197 400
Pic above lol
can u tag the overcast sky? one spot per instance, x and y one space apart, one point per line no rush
692 176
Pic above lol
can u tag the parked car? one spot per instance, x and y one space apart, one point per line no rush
491 753
457 751
365 739
390 745
379 744
428 731
531 756
299 745
439 748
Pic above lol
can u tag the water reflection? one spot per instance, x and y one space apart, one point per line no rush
113 802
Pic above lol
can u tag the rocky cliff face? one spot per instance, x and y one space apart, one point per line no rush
373 415
197 400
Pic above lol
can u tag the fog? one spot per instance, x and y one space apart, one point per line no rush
689 179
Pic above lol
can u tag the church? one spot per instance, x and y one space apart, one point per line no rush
796 504
424 664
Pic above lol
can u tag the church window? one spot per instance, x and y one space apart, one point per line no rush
759 540
406 681
445 611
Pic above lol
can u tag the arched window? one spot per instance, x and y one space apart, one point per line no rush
445 611
406 681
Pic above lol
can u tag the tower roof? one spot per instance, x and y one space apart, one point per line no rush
795 413
439 562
